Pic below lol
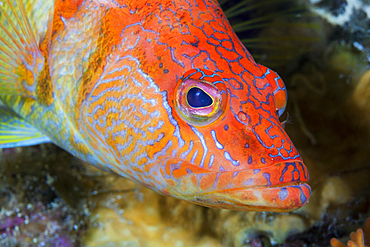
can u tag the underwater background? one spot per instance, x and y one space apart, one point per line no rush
321 49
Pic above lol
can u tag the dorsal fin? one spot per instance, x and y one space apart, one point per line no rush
21 60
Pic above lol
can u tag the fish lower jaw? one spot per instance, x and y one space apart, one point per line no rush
277 198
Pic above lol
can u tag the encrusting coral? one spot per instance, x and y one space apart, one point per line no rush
358 238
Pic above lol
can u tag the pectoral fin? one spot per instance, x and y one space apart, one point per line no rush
15 131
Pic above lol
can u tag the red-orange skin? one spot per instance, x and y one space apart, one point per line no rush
128 57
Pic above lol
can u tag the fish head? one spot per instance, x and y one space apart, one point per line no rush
181 107
237 154
228 149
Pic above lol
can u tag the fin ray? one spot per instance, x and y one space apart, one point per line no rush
15 131
19 45
16 42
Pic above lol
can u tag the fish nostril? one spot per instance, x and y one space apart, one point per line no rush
242 116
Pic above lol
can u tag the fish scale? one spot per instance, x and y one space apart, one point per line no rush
114 91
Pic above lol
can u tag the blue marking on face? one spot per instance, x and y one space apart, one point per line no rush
204 145
218 144
295 170
255 171
249 182
211 160
250 159
267 176
228 157
283 193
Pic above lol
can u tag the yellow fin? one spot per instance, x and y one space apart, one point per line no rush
15 131
22 28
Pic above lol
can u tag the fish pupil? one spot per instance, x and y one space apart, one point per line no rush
198 98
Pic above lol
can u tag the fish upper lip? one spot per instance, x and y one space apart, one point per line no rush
282 185
265 167
279 175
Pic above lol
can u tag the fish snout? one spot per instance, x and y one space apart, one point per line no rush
277 188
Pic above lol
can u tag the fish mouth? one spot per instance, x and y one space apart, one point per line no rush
276 198
281 187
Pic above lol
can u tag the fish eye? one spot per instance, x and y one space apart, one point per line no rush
200 97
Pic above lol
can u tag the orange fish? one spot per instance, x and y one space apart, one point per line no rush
160 92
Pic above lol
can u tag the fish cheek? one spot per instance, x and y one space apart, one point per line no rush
238 141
